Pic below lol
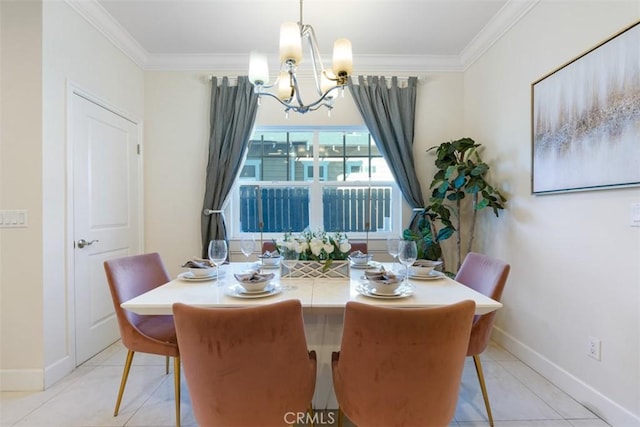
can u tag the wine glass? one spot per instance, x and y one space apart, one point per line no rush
289 259
393 248
247 246
218 255
408 255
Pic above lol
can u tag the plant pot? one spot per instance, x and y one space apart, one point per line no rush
314 269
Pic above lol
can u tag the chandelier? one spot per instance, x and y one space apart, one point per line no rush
287 92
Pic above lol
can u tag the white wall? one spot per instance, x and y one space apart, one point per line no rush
575 259
45 47
21 328
176 140
73 53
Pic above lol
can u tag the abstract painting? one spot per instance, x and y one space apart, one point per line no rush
585 119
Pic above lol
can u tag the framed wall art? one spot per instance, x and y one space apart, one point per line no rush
585 119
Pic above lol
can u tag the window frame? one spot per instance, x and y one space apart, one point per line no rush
316 188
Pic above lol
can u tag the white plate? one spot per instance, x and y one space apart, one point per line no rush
371 264
238 291
189 277
433 275
265 266
402 292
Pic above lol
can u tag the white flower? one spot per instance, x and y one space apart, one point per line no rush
315 246
328 248
345 246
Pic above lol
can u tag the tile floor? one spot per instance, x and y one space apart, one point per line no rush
85 398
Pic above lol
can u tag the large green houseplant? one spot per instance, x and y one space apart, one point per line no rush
461 173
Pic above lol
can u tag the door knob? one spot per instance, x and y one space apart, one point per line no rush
82 243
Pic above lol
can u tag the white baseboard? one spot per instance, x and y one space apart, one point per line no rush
21 380
35 379
598 403
58 370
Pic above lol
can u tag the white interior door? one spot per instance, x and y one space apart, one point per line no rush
106 190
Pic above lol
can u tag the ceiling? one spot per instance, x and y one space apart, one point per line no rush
403 34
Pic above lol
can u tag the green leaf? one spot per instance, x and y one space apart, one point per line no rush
481 204
479 169
459 181
450 171
445 233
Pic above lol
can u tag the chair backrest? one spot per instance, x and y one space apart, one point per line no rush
268 246
488 276
245 366
402 366
359 246
129 277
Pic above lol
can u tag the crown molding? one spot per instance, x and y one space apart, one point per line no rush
102 21
97 16
507 17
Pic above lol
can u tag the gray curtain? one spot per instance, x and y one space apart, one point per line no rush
233 113
389 113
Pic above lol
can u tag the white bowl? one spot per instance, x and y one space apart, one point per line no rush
386 287
257 284
383 282
271 260
361 259
423 267
202 272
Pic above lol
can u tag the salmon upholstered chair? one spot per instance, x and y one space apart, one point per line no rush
359 246
246 366
268 246
129 277
488 276
401 366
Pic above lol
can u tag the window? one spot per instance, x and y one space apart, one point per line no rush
336 180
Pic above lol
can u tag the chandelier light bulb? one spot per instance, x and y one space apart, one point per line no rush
327 81
258 69
342 58
290 43
285 91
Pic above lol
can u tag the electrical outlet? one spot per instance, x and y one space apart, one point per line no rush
594 347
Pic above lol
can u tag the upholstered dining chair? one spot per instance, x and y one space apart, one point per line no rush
401 366
268 246
488 276
129 277
359 246
246 366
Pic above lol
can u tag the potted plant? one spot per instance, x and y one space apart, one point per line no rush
427 237
461 173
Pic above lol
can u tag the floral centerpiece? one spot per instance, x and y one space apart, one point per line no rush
318 246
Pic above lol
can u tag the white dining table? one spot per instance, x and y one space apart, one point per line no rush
316 295
323 301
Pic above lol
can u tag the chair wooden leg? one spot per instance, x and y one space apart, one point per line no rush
340 417
166 365
310 412
485 396
176 385
123 381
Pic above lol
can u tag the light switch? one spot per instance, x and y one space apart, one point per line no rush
635 214
13 218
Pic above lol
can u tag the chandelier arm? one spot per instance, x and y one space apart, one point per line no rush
270 95
321 101
296 89
315 56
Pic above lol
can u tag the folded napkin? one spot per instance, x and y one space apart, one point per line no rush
267 254
253 277
199 263
426 263
382 276
357 254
